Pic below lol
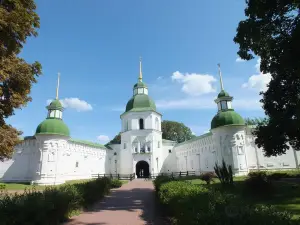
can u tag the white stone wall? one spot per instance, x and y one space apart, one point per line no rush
51 160
113 160
197 154
24 163
256 159
230 146
168 157
234 144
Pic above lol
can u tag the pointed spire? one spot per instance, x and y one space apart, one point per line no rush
140 75
220 74
57 88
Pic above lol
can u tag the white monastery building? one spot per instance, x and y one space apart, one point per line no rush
52 157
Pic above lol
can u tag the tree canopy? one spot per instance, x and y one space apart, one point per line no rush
255 121
18 21
271 31
116 139
175 131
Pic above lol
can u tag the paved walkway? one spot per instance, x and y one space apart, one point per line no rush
132 204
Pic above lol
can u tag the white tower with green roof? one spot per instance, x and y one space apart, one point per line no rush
53 134
141 137
229 136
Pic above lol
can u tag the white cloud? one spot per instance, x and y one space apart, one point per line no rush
198 130
186 103
74 103
258 81
195 84
159 78
206 103
103 138
240 60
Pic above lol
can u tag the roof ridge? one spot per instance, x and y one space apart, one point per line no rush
89 143
195 138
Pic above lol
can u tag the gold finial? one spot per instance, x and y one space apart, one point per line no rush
141 75
220 74
57 87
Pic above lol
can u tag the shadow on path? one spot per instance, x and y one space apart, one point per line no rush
132 204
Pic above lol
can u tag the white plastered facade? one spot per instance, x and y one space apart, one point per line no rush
55 159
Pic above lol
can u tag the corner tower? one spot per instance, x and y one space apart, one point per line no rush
53 135
228 129
141 136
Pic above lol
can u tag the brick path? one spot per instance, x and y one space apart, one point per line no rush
132 204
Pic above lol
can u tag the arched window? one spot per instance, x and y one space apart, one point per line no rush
141 123
156 124
126 125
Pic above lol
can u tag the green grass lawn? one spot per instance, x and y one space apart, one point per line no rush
21 187
286 196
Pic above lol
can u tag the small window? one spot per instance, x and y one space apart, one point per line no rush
156 124
149 149
141 124
125 146
158 144
77 164
135 149
127 125
223 105
115 153
142 148
170 150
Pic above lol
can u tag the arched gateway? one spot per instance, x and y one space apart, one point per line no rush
142 169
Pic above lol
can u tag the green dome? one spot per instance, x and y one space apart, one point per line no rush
55 104
53 126
228 117
140 84
140 102
223 94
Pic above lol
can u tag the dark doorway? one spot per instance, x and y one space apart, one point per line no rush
141 123
142 169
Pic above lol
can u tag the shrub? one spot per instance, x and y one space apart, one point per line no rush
161 180
51 206
115 183
277 176
258 183
2 187
224 173
207 177
195 205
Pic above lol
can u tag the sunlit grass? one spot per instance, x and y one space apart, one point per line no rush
287 196
23 186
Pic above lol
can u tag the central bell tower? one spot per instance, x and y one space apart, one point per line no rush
141 136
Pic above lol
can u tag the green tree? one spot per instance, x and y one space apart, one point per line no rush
18 21
175 131
271 31
116 139
255 121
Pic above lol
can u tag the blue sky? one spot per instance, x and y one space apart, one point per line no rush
96 46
